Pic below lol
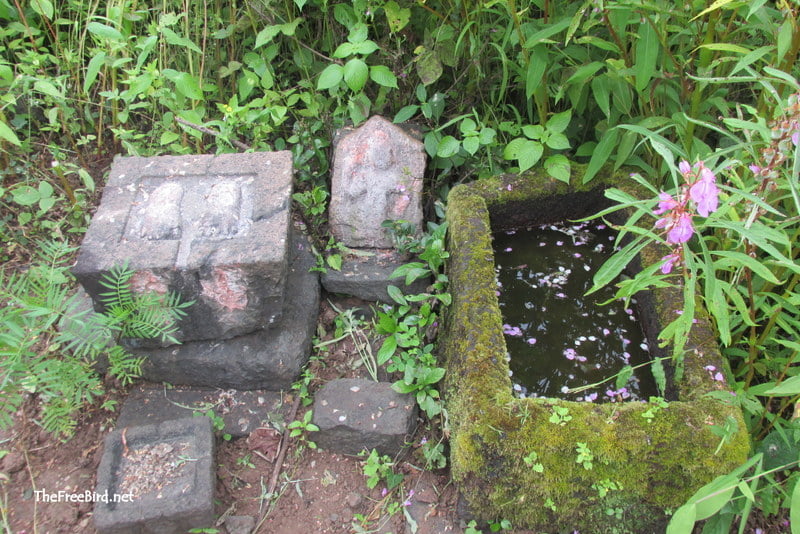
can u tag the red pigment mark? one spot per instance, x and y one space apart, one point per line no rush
226 288
148 282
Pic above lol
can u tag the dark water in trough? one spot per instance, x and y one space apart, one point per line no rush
558 338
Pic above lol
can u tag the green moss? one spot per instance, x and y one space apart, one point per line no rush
657 464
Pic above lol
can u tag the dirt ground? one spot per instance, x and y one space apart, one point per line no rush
314 491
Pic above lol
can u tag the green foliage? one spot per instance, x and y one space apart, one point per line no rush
300 427
379 468
50 347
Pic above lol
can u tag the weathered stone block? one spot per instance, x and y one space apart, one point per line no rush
241 411
270 358
358 414
368 277
164 474
493 432
212 228
377 175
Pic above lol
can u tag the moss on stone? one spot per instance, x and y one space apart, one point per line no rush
657 463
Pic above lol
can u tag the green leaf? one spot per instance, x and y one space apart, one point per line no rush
396 295
740 259
92 69
557 141
387 350
45 87
784 39
601 154
43 8
558 167
334 261
584 72
25 195
330 77
525 151
429 68
794 509
104 31
396 16
7 134
533 131
559 122
448 147
536 69
177 40
471 144
623 376
659 375
646 55
187 85
266 35
682 521
789 387
616 263
602 93
355 74
383 76
405 113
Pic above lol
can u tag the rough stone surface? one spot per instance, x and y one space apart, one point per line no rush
242 411
358 414
368 277
377 175
240 524
173 503
269 359
212 228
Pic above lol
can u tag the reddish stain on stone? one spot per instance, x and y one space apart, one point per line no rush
227 288
148 282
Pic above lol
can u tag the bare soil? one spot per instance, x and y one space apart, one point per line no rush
315 491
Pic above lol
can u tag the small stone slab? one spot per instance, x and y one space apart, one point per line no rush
212 228
377 175
357 414
368 277
164 474
242 411
269 359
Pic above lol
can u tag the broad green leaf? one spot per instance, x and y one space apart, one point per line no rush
358 33
794 509
713 7
584 72
25 195
784 39
92 69
405 113
246 83
383 76
396 16
726 47
105 31
525 151
548 31
43 8
623 376
601 154
602 94
558 167
559 122
536 69
43 86
168 137
365 48
448 147
682 521
355 74
177 40
335 262
646 55
7 134
396 295
429 68
187 85
266 35
290 28
330 77
471 144
533 131
659 375
789 387
557 141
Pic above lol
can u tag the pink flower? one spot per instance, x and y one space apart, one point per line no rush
665 203
684 167
704 192
681 230
669 261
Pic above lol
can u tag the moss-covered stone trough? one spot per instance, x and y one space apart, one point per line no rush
509 460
